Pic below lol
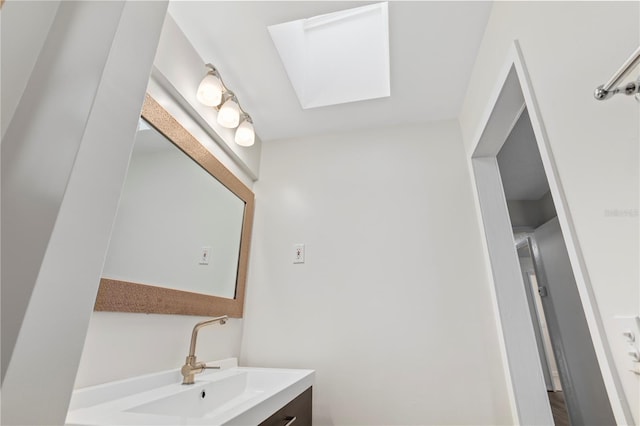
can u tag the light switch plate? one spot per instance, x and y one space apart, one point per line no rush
298 253
205 254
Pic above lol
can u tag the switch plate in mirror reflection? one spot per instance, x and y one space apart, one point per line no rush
177 197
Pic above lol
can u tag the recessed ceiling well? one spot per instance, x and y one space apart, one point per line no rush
338 57
432 48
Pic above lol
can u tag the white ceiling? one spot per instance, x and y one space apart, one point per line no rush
521 168
433 46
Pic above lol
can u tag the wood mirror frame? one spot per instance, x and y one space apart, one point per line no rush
124 296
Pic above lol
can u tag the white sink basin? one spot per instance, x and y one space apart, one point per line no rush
232 396
204 399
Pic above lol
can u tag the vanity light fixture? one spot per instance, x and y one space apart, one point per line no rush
229 112
214 93
210 89
245 135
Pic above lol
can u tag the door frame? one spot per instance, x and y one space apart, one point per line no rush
525 381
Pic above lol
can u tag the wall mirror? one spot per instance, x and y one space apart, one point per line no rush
180 242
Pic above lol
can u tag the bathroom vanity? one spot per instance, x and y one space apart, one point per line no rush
230 396
296 412
151 267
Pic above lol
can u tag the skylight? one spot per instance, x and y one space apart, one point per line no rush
337 58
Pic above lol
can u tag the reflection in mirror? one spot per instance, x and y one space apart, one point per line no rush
176 226
181 236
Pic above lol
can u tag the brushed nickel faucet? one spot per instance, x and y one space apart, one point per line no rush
191 367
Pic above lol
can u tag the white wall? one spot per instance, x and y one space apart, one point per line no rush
529 214
392 307
64 157
569 49
25 26
18 60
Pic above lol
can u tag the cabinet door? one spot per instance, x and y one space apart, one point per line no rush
295 413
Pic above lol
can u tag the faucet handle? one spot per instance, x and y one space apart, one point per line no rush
191 367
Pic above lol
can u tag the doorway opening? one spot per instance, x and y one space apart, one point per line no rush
566 304
576 391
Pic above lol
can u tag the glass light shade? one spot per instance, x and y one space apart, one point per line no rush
229 114
245 135
210 91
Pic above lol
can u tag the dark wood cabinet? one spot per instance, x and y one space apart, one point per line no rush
296 413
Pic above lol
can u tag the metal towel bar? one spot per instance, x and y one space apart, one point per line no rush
610 88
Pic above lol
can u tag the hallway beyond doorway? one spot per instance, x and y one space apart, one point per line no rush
558 409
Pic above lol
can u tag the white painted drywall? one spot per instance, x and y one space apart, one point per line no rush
399 329
64 158
569 49
528 214
25 26
520 164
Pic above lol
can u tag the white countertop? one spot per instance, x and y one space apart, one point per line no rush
230 396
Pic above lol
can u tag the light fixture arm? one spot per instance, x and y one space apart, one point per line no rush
629 89
226 93
214 71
